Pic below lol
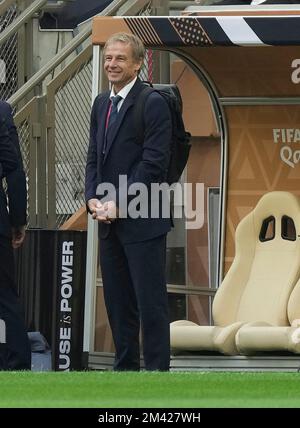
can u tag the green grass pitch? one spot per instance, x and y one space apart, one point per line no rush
149 389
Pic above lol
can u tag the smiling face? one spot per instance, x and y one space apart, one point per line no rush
120 65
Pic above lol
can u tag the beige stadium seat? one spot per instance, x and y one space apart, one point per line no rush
258 337
255 304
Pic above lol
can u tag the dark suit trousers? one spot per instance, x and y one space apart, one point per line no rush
134 282
15 354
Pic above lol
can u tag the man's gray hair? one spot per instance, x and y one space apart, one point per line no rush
138 48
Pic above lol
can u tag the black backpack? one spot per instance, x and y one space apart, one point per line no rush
180 144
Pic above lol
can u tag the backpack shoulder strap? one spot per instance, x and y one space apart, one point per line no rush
139 109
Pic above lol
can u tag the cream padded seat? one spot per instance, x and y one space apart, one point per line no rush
254 295
263 337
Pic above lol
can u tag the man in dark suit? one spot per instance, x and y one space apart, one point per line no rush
15 353
132 248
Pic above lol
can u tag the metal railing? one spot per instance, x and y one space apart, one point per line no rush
8 50
63 54
24 17
16 43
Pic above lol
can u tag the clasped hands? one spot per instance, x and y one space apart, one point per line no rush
103 212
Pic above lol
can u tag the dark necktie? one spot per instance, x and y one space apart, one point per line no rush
112 117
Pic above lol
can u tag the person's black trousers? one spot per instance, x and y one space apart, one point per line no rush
134 282
15 354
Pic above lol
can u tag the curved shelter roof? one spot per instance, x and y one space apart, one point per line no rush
211 26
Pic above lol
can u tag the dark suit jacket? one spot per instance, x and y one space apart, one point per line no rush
15 199
8 155
145 163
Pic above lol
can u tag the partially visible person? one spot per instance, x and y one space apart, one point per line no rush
8 155
15 353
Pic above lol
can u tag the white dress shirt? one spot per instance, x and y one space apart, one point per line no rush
123 92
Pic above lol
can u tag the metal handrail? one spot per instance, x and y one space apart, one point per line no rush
21 19
63 54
